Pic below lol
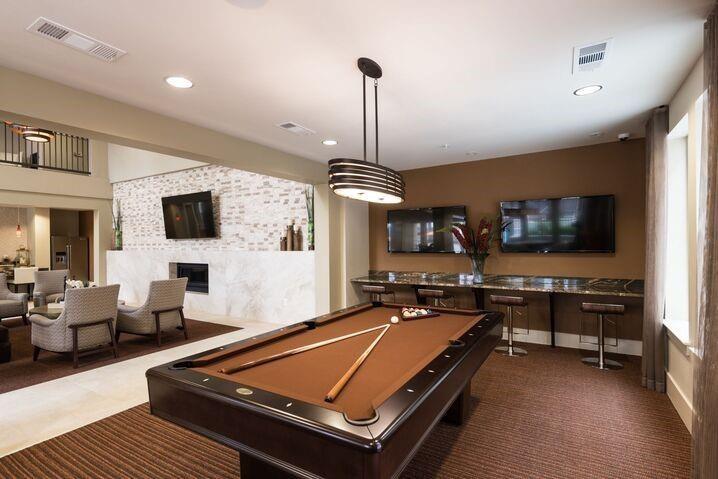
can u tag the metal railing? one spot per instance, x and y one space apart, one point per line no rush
63 153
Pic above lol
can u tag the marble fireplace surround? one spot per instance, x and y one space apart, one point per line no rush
270 286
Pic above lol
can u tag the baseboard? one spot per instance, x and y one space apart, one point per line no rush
566 340
680 401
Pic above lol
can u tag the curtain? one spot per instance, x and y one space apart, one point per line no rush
652 365
705 383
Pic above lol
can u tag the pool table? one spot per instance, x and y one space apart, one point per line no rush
276 415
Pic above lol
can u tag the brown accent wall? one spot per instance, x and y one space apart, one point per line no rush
610 168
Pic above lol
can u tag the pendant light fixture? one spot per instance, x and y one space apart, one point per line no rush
360 179
18 230
37 135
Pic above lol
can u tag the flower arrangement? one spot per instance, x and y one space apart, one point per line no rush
477 245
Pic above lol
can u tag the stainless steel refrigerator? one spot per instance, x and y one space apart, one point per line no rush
72 253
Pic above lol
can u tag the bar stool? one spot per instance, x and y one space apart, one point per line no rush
602 309
510 302
376 293
436 297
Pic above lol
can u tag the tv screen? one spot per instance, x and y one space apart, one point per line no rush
417 230
188 216
577 224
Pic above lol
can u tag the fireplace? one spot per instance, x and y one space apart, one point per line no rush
197 275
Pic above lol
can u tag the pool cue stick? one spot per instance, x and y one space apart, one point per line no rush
331 395
294 351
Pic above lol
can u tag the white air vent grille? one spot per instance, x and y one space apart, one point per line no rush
590 57
295 128
73 39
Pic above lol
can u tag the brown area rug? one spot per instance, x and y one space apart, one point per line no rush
543 416
21 371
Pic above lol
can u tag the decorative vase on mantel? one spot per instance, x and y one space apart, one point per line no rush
117 240
477 268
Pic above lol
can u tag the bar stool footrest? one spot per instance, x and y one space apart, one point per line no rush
607 363
514 351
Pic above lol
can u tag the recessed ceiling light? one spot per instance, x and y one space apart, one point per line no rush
596 134
179 82
587 90
329 142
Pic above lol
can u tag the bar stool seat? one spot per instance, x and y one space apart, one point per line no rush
377 292
436 297
602 309
510 302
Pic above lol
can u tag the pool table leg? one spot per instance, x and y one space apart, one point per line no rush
459 410
250 468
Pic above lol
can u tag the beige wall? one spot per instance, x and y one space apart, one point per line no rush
41 225
341 248
610 168
687 94
30 99
127 163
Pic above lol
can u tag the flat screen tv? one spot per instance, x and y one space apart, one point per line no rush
189 216
417 230
576 224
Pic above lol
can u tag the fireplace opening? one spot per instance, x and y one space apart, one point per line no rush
197 275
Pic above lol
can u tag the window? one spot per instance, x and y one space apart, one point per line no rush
676 308
684 222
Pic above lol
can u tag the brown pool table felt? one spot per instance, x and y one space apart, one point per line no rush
405 349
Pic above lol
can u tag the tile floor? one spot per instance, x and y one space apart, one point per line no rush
36 413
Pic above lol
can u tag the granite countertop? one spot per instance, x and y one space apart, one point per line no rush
545 284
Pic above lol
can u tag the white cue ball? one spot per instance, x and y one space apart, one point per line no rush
394 319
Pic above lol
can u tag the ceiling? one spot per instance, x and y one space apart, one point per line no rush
489 78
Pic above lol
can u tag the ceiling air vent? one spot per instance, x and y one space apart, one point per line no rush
79 41
590 57
295 128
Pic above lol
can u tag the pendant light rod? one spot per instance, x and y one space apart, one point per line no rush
363 87
376 121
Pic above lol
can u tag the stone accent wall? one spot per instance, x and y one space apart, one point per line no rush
9 243
251 211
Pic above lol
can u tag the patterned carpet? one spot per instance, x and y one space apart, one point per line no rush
543 416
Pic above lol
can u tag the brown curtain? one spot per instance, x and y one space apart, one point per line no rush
654 376
705 383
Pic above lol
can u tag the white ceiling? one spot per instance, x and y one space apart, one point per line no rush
491 77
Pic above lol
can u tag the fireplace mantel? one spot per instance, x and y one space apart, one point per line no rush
270 286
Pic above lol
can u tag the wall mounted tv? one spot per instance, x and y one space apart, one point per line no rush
188 216
417 230
576 224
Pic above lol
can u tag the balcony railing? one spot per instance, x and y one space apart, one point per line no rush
63 153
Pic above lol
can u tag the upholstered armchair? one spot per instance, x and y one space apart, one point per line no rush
85 325
12 304
49 286
161 311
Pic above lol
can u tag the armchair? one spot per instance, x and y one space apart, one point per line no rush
85 325
161 311
49 286
12 304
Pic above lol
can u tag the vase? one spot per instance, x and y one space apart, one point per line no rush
310 235
477 268
118 239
